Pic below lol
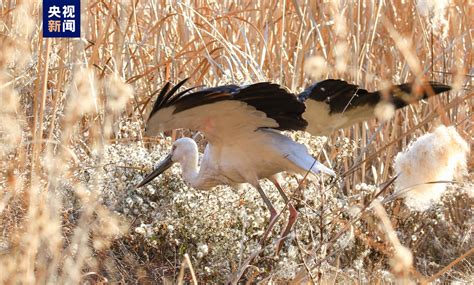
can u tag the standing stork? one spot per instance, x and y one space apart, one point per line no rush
241 125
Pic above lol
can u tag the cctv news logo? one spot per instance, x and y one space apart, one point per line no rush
61 18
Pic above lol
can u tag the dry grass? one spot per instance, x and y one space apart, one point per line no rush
71 143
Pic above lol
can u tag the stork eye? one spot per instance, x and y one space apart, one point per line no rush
173 148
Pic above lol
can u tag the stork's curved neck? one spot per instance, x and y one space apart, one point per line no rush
189 165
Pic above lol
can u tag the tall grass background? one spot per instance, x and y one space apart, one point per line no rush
66 102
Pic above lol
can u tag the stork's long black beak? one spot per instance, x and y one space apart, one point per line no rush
166 163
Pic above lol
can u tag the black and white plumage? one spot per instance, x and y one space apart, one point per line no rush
266 105
242 124
332 104
242 127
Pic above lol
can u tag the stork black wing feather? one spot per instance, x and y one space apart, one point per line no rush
333 104
198 99
338 94
159 99
179 95
276 102
342 96
166 95
405 94
172 96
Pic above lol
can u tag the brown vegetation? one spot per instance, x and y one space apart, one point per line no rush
72 114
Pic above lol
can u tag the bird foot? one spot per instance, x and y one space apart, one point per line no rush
291 221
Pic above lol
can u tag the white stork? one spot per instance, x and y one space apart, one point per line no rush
244 146
241 125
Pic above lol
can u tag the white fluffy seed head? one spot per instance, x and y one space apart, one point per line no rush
315 67
427 8
437 156
435 11
118 93
342 51
82 93
384 110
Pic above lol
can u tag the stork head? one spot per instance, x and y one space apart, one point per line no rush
182 148
180 152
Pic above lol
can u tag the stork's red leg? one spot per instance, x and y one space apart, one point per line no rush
273 214
291 218
291 221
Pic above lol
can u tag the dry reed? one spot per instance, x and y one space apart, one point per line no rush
72 114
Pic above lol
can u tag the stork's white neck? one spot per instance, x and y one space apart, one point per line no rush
189 166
